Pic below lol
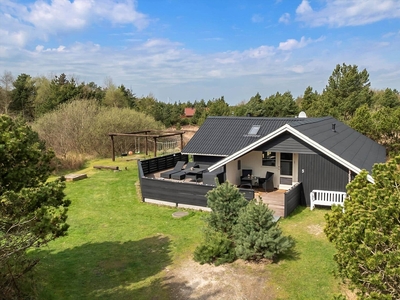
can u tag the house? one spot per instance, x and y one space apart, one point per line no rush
297 155
189 112
321 153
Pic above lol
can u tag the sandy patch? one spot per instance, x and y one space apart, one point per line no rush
235 281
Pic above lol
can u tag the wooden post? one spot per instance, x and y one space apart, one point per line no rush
145 145
112 147
155 147
181 141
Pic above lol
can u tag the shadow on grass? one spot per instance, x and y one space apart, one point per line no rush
94 270
290 255
166 288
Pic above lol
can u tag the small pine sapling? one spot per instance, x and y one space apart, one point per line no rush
257 235
226 202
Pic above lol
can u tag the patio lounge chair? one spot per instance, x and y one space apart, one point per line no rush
178 167
181 174
268 184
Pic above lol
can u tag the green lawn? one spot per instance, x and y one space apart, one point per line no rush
307 272
118 247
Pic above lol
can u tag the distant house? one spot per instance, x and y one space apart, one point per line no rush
313 153
189 112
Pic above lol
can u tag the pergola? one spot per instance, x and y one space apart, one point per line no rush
154 134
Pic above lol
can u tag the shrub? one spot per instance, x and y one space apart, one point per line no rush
217 249
81 127
367 235
257 235
225 201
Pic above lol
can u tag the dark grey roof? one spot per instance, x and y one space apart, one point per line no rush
345 142
223 136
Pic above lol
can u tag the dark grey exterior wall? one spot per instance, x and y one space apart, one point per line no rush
287 143
177 192
180 192
161 163
202 159
293 198
319 172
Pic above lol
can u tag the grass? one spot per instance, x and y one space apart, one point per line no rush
307 272
117 247
120 248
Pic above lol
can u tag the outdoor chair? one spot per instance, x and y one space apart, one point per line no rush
178 167
209 177
181 174
245 179
268 184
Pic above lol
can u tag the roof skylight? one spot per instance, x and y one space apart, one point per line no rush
254 130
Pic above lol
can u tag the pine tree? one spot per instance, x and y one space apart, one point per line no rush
367 234
225 201
257 235
218 246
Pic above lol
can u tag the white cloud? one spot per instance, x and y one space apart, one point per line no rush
292 44
297 69
42 19
256 18
304 8
285 18
339 13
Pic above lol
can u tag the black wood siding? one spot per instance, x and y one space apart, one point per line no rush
177 192
180 192
319 172
210 160
287 143
161 163
293 198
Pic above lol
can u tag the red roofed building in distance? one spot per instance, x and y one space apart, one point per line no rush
189 112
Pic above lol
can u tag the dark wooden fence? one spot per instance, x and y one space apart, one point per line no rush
177 192
293 198
161 163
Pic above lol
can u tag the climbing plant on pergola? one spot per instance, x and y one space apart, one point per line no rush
147 134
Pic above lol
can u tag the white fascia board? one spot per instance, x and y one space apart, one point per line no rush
296 133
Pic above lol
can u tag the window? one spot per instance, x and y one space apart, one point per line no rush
269 159
254 130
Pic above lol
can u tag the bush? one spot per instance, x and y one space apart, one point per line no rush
81 127
225 201
257 234
217 249
367 235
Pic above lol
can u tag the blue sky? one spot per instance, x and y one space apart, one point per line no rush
182 50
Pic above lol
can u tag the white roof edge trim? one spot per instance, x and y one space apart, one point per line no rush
248 148
186 153
298 134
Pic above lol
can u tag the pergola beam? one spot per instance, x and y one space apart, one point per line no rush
155 135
